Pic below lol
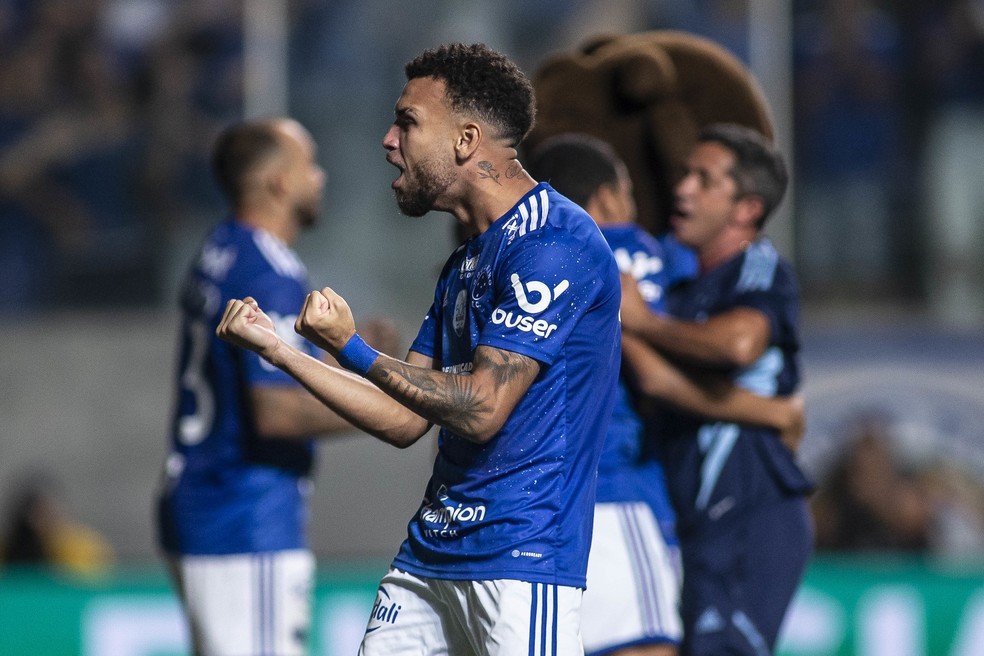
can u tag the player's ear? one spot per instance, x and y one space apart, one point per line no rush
605 203
275 183
748 211
467 140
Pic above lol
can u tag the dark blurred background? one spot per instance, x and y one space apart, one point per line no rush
108 108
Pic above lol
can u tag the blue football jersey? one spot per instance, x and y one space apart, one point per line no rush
711 462
225 489
541 281
681 261
630 469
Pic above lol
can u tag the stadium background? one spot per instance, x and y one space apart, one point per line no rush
107 108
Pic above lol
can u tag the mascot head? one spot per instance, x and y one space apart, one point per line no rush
647 94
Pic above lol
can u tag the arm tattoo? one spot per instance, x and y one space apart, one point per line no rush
454 401
489 171
505 366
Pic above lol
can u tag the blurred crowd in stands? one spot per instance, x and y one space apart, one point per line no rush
106 109
106 105
875 498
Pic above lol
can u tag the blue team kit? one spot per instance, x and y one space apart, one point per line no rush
226 490
542 282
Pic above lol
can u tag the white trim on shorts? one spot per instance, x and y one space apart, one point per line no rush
633 591
422 616
243 604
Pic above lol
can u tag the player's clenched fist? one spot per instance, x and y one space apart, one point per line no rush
246 325
326 320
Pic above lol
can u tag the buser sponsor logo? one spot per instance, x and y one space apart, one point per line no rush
525 295
526 324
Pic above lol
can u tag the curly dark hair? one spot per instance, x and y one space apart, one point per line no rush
481 81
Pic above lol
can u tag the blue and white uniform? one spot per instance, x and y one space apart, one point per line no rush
633 570
230 499
542 282
739 496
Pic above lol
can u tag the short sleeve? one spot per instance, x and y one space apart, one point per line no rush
779 303
424 343
544 286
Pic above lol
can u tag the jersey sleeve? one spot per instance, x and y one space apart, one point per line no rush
543 287
424 343
778 302
681 261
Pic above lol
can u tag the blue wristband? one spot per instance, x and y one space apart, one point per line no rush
357 356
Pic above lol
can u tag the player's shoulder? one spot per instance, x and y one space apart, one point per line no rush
235 254
549 230
632 236
762 267
561 220
539 212
566 214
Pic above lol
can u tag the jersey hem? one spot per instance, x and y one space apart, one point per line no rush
513 575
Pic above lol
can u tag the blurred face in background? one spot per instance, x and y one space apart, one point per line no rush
303 177
706 196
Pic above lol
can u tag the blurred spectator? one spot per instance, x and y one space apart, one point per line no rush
949 68
38 531
872 499
722 21
193 75
957 500
849 136
866 502
104 109
68 149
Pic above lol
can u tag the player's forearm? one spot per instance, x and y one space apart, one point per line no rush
657 378
287 412
354 399
454 401
472 405
785 414
743 407
703 393
715 343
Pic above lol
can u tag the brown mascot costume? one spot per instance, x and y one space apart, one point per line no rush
648 94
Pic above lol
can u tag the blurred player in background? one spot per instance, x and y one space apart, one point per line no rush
742 517
630 607
233 508
517 361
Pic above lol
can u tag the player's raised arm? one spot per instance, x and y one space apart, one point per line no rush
735 338
353 398
473 405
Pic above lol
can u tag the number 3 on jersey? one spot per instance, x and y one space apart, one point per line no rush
193 428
